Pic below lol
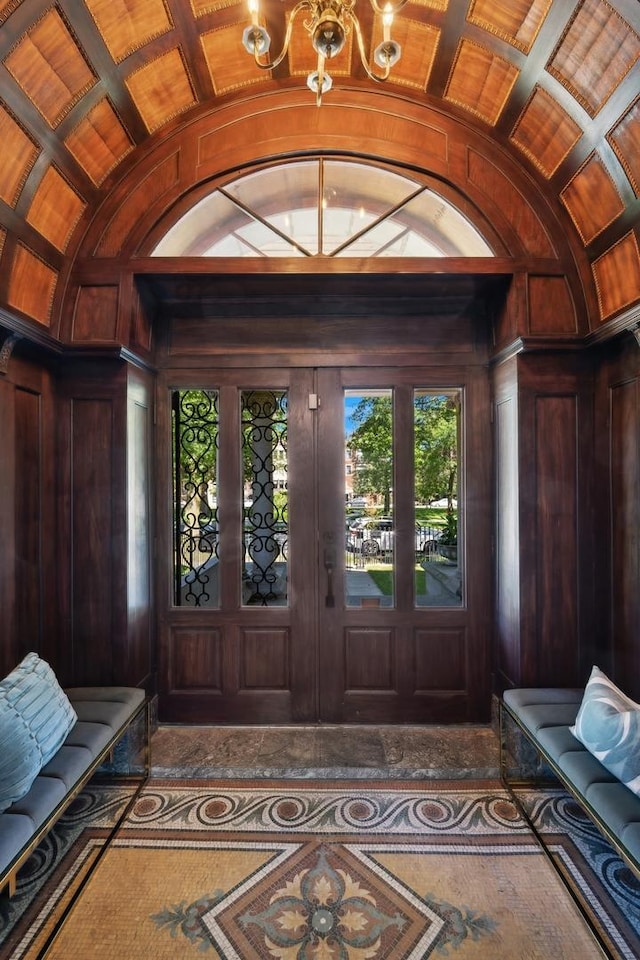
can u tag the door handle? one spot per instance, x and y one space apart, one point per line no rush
329 566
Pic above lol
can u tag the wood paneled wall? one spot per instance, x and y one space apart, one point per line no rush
28 563
617 456
103 455
547 565
75 552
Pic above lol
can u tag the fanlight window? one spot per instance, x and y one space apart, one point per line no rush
331 208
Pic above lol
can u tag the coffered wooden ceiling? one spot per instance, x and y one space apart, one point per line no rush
86 85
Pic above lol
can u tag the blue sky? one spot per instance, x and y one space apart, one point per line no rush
349 405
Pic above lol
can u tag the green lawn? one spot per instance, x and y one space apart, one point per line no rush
431 516
382 576
427 516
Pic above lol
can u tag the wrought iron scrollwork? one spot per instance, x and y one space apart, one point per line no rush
264 433
195 432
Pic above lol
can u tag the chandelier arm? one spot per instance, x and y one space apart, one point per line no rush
301 5
363 56
320 80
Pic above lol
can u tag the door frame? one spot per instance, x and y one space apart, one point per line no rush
213 649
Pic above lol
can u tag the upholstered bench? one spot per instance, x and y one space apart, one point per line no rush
547 718
74 736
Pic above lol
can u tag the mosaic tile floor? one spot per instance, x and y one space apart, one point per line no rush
326 752
252 870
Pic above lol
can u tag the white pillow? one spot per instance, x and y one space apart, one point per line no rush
608 725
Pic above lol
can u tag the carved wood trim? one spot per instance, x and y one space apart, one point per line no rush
8 343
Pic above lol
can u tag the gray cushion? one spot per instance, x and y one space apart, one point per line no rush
583 770
43 797
112 715
69 764
548 714
525 696
615 804
15 831
558 740
537 716
109 705
630 837
93 736
130 695
35 718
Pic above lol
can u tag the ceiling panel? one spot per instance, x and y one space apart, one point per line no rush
481 81
545 132
18 156
32 284
161 89
617 276
595 54
99 142
50 67
590 218
127 25
55 209
625 140
515 21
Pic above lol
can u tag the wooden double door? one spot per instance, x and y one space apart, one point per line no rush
305 618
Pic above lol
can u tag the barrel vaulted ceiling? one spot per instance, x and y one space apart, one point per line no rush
88 86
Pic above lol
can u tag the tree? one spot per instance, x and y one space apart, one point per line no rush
435 447
372 442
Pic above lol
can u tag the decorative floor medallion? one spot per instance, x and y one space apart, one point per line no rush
323 902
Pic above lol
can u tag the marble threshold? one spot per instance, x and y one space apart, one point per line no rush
467 752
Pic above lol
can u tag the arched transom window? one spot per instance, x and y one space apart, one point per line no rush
323 207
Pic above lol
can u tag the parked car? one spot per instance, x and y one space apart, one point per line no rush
372 537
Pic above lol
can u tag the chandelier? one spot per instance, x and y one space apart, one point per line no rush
328 24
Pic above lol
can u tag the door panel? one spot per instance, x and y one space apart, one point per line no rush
248 655
314 647
397 658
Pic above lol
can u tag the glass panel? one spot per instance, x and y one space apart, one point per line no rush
354 196
263 242
275 214
285 196
390 239
214 220
370 553
195 461
266 530
436 419
427 226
